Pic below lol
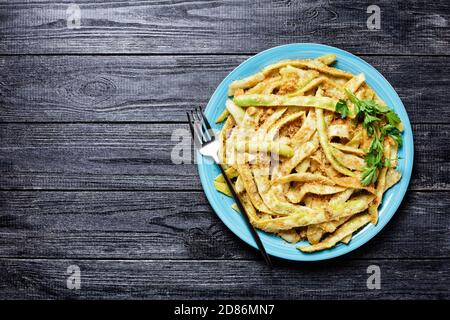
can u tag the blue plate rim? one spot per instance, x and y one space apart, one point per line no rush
368 232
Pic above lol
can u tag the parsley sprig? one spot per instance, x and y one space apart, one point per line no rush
379 121
341 107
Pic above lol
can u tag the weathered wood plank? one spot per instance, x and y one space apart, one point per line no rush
162 88
138 156
407 27
182 225
166 279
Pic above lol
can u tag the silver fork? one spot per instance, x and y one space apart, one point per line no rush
205 140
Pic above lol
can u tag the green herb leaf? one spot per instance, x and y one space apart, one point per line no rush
369 175
371 114
368 123
374 108
393 118
393 132
376 145
341 107
368 119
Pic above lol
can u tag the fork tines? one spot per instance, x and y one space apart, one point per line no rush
200 128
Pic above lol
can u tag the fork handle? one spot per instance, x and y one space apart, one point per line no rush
247 219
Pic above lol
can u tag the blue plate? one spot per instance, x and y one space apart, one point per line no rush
392 198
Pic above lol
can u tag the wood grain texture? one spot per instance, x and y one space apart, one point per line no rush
87 118
162 88
182 225
168 279
407 27
116 156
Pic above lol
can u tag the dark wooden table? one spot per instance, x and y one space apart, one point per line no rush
87 117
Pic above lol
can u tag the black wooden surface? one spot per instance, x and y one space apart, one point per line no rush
86 120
